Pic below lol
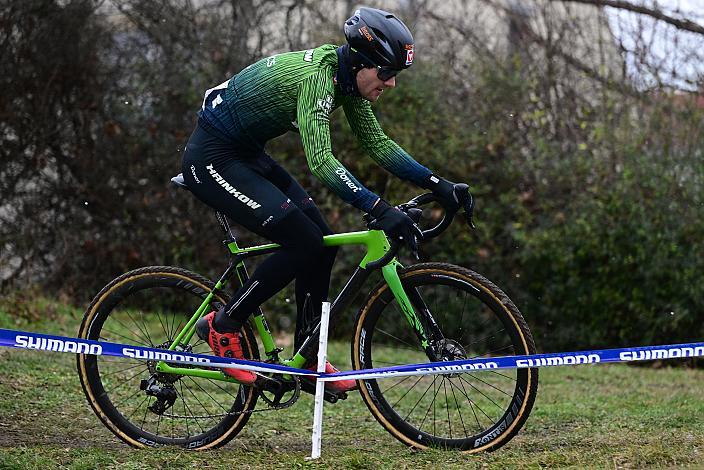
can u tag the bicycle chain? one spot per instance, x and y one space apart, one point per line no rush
225 414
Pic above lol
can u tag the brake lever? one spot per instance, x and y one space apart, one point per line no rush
469 210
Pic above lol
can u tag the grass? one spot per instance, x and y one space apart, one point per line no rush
604 416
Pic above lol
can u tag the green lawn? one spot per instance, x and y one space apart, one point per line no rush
605 416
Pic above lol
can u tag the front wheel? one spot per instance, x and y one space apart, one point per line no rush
149 307
466 317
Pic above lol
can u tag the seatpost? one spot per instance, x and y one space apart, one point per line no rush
225 225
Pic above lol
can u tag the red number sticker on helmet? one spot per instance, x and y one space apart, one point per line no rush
409 56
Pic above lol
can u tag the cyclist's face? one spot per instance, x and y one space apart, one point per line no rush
371 86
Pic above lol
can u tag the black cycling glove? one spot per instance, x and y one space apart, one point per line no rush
446 192
395 224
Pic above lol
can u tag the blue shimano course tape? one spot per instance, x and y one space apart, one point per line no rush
42 342
602 356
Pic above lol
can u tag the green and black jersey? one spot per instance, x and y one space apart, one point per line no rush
296 91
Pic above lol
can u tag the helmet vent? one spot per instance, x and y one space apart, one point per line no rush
380 35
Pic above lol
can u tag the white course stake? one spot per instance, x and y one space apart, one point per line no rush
319 384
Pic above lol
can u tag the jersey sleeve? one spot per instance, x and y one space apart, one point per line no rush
315 102
379 146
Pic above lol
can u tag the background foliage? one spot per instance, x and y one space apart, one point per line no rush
589 185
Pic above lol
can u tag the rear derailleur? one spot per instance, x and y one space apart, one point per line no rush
165 394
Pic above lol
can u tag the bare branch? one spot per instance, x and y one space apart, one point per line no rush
683 24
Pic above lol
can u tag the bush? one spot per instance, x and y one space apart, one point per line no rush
621 264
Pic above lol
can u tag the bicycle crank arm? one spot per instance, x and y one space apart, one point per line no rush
308 386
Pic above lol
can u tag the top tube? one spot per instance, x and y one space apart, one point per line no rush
374 240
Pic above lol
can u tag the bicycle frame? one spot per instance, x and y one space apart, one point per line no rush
376 245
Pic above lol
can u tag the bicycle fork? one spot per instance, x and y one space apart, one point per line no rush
406 300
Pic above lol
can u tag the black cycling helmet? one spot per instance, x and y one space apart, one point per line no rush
378 39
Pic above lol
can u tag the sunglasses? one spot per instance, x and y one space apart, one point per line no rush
385 73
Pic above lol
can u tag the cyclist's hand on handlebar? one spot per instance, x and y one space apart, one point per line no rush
453 196
395 224
449 194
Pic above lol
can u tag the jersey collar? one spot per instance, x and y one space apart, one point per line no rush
346 76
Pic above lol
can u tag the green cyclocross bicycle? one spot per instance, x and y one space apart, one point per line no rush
428 312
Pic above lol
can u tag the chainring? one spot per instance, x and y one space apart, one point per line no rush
274 390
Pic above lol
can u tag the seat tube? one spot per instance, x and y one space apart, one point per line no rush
258 318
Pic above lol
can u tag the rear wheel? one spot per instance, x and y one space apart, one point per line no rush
148 307
472 410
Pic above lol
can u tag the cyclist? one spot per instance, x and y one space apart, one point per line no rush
226 166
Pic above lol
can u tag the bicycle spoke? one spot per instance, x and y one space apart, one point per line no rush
482 394
419 400
115 360
178 327
185 408
464 305
172 328
118 405
398 383
158 423
138 407
146 328
207 411
493 352
146 336
214 382
217 402
410 346
146 408
490 385
131 340
408 391
459 412
490 317
491 336
120 370
126 381
388 363
502 375
447 407
432 405
166 332
191 412
471 403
